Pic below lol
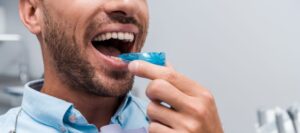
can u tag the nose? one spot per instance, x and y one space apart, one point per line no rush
126 8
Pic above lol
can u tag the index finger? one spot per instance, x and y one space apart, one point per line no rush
147 70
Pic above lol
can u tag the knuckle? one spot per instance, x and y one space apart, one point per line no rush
198 110
154 87
152 127
170 75
150 109
192 126
201 112
208 95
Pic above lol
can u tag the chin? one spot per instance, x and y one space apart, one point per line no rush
113 84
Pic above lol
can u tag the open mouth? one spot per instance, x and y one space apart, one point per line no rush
112 44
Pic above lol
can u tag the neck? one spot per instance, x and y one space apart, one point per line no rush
97 110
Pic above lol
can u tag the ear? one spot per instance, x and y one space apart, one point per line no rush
30 15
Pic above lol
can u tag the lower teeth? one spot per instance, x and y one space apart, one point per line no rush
116 58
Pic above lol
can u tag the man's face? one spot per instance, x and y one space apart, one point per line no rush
82 38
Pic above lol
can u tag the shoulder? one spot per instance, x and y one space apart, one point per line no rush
7 120
9 115
24 123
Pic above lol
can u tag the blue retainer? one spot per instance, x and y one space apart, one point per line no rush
158 58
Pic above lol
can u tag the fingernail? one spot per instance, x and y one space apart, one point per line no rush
133 66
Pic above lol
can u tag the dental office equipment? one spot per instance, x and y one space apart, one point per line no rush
279 120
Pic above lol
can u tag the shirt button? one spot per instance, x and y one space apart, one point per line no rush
147 119
63 129
72 118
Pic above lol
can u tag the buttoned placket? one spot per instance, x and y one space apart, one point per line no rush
73 118
63 129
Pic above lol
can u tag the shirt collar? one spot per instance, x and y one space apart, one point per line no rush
50 110
44 108
116 117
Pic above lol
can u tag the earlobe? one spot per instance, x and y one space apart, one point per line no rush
30 16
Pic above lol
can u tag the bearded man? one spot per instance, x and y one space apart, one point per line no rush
85 87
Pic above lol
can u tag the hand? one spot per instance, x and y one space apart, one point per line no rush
193 109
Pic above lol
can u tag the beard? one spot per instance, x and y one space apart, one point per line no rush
73 67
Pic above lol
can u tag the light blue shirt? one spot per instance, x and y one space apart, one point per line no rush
40 112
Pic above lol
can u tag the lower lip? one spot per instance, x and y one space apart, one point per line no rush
112 63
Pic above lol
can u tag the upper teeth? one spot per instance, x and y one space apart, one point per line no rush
115 35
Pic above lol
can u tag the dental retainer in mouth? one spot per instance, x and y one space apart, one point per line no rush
157 58
118 46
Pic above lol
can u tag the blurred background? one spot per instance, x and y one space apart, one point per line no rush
245 51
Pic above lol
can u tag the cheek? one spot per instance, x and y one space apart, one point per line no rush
73 13
90 54
143 14
144 10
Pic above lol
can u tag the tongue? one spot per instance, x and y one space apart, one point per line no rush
108 50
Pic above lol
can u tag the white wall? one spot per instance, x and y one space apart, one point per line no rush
245 51
12 53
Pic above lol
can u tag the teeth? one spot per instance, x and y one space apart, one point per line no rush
108 36
121 36
125 36
129 37
116 58
103 36
115 35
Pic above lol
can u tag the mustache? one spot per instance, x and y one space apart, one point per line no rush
123 19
